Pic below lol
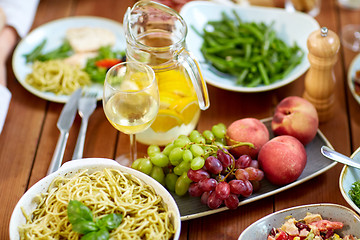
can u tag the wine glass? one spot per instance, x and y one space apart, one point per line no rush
350 34
130 101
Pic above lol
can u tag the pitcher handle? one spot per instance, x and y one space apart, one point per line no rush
193 69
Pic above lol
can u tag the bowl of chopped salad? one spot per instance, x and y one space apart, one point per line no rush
323 221
248 48
349 183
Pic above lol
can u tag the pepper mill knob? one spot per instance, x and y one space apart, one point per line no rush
323 46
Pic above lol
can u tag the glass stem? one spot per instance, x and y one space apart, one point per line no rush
133 150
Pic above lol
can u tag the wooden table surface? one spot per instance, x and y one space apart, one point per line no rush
30 134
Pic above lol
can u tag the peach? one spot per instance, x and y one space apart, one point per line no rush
297 117
247 130
282 159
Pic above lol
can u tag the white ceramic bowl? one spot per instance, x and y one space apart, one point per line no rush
93 164
290 27
348 176
261 228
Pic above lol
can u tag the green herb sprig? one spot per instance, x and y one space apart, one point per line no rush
354 193
82 220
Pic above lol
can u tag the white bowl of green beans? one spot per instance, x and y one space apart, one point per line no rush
248 48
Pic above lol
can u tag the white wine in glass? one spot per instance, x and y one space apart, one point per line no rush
130 101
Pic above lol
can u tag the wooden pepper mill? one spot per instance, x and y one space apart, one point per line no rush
323 46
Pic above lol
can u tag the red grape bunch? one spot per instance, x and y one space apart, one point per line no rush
224 179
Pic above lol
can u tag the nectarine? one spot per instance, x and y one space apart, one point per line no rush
297 117
247 130
282 159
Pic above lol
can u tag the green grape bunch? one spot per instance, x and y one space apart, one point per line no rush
200 159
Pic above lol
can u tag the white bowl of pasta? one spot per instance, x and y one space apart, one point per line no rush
104 187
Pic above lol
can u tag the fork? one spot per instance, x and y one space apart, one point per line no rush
87 105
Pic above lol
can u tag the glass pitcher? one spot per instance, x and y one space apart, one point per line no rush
155 35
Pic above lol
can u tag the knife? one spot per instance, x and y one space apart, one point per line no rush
64 123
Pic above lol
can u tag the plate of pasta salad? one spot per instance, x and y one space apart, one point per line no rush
58 57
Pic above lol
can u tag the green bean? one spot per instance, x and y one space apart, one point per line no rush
195 30
244 40
238 41
211 41
237 17
263 73
242 76
30 57
232 52
247 51
241 62
269 37
216 34
61 52
269 66
255 82
290 67
217 62
257 58
220 48
231 25
253 30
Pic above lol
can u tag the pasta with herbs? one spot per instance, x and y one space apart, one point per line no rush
57 76
104 192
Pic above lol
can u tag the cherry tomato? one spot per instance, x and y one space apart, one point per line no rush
107 63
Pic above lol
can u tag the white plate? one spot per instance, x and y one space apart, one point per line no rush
354 66
54 32
290 27
348 176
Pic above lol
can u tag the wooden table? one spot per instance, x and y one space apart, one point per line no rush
30 134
